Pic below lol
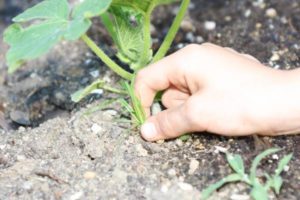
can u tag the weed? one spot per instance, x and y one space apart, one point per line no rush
127 21
259 189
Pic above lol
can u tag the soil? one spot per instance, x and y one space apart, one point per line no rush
51 149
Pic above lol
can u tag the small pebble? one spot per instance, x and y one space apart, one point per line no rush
239 197
194 164
160 141
271 13
199 39
77 195
172 172
210 25
95 73
89 175
275 57
187 25
286 168
190 37
275 157
179 142
185 186
96 128
21 157
247 13
220 149
141 150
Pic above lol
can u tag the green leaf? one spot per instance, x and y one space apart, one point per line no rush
282 163
77 28
136 109
90 8
257 160
30 43
237 163
258 192
208 191
277 183
27 43
80 94
128 36
142 5
49 9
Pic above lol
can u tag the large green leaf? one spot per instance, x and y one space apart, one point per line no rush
49 9
91 8
54 24
128 35
142 5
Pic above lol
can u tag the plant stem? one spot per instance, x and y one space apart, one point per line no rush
172 32
107 60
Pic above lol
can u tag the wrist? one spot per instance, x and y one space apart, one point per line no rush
284 105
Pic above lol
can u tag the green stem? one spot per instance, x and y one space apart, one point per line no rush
172 32
107 60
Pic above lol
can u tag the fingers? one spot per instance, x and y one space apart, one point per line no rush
168 124
157 77
174 97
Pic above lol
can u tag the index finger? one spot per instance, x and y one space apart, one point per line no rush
157 77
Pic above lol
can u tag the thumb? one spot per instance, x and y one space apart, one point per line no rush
168 124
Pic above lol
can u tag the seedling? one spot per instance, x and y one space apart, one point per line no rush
127 21
259 189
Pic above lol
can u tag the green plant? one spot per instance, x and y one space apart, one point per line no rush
127 21
259 189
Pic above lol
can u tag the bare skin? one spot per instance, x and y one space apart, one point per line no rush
218 90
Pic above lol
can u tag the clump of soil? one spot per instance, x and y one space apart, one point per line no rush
99 156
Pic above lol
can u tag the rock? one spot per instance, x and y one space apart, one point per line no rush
275 57
96 128
172 172
220 149
275 157
77 195
141 151
239 197
187 25
27 185
20 117
89 175
210 25
199 39
194 164
247 13
271 13
185 186
190 37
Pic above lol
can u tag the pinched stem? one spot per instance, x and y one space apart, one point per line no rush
172 32
107 60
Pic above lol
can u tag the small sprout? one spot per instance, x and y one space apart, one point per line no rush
259 190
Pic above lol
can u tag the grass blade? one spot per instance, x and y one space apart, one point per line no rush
257 160
208 191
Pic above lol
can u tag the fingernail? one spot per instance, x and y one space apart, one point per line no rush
149 131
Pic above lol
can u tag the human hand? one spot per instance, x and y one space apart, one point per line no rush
215 89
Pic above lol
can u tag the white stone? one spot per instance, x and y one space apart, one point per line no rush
271 12
185 186
194 164
210 25
96 128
